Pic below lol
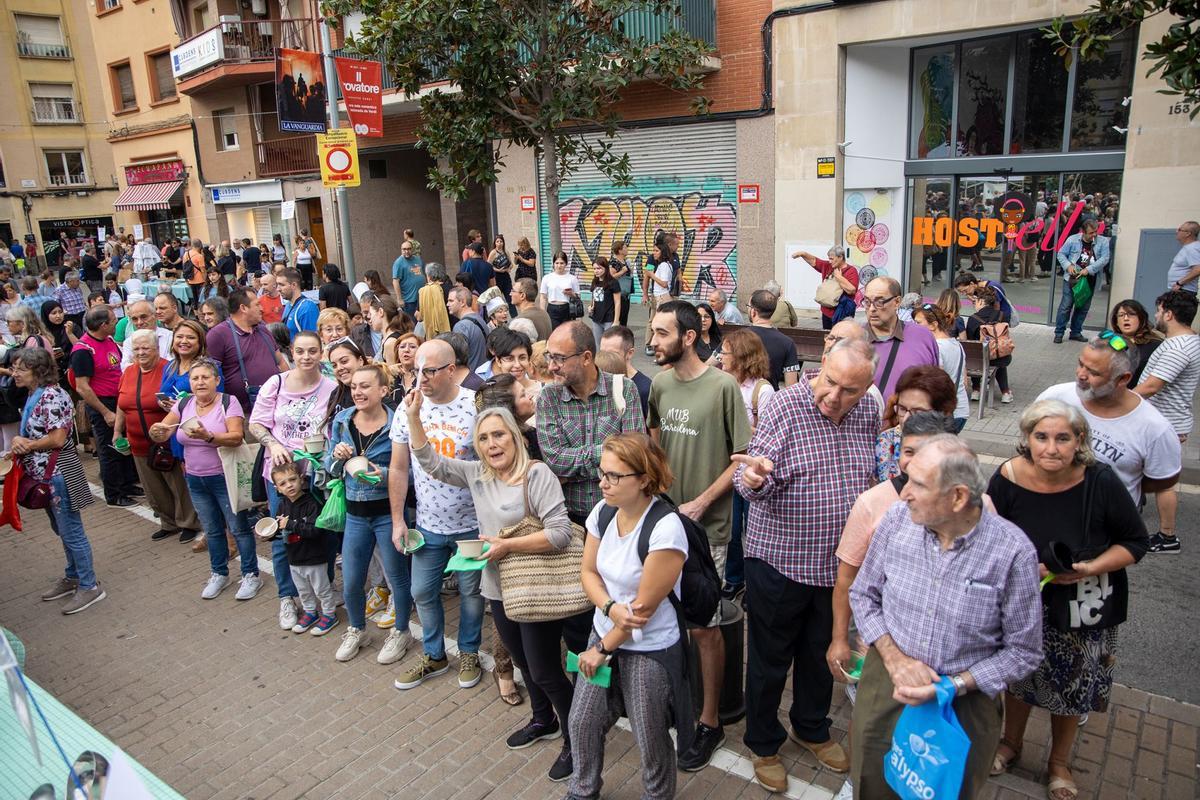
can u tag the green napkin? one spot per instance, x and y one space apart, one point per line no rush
460 563
603 676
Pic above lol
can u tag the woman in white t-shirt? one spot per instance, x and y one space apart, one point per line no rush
557 290
951 356
635 624
656 284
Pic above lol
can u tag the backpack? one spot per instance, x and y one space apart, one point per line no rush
996 336
699 585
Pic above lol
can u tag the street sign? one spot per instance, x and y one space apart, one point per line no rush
338 152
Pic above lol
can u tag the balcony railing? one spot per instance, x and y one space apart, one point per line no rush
56 110
77 179
37 50
292 156
245 41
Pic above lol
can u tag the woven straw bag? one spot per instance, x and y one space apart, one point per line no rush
540 587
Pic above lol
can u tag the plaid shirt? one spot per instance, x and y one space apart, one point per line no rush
973 607
796 517
71 299
570 432
35 301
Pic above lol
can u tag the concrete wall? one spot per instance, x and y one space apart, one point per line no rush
225 166
518 179
756 221
381 208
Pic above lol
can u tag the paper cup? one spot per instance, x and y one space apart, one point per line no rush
314 445
6 465
121 445
266 527
471 548
856 664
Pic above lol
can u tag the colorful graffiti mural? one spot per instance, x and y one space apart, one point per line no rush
705 221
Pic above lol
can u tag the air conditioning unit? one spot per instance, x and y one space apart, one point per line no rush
230 23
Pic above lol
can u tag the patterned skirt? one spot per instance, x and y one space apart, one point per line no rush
1076 673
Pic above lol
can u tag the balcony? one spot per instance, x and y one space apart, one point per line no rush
296 155
56 111
39 50
69 179
238 52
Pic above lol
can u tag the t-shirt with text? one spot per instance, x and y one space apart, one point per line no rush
450 427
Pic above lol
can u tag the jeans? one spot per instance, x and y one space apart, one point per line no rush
734 570
69 527
283 570
211 500
116 471
362 536
1068 312
428 566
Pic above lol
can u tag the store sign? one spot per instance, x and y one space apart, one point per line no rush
71 225
160 172
361 83
204 50
268 192
969 231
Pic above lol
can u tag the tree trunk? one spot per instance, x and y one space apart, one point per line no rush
550 171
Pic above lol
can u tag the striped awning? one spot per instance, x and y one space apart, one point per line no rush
147 197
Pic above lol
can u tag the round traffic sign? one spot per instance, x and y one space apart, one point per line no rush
338 159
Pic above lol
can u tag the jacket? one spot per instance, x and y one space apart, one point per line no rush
1068 256
379 454
307 545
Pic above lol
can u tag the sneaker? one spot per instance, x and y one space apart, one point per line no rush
1078 337
136 491
120 502
186 536
161 534
730 591
703 746
469 671
62 588
975 395
1058 337
830 753
353 640
562 767
1032 279
327 623
1006 397
533 732
82 598
1161 543
287 613
395 646
216 584
387 619
249 587
770 774
424 669
307 620
377 600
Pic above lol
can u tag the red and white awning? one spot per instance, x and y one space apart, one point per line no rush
147 197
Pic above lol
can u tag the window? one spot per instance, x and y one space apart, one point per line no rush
982 90
54 103
225 126
162 79
1101 86
107 5
66 168
2 182
1039 96
40 37
376 168
121 77
933 101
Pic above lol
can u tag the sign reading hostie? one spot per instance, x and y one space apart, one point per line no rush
1015 226
361 84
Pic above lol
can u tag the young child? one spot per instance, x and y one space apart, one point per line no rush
308 549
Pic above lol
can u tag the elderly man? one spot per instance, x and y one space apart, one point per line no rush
784 315
1082 258
837 268
811 456
71 296
947 588
470 324
725 310
900 344
166 311
1185 267
141 317
269 299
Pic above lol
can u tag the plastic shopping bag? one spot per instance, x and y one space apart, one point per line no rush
237 464
1081 292
333 515
929 750
10 512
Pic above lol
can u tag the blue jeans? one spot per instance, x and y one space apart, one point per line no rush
428 567
362 536
69 527
279 562
734 575
211 500
1068 311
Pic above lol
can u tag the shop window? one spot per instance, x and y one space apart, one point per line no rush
933 101
1099 107
121 77
225 126
162 79
54 103
982 97
1039 96
376 168
40 37
66 168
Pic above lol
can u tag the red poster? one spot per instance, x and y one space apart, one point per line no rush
362 89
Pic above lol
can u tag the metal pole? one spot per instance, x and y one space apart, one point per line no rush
334 91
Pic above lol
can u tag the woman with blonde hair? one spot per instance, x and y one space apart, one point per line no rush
431 302
332 324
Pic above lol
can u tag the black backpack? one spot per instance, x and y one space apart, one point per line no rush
699 584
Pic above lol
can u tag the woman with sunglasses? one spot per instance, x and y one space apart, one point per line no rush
921 388
1129 318
951 356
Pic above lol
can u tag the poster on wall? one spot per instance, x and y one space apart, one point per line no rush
870 233
361 83
300 93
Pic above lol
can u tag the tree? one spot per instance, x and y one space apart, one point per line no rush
531 72
1176 56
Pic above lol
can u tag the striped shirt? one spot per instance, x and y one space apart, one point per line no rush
975 606
820 468
1176 362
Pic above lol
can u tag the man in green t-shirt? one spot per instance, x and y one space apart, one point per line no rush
698 416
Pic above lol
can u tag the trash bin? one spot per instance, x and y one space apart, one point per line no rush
733 699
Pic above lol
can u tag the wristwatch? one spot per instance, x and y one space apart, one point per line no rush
602 650
960 685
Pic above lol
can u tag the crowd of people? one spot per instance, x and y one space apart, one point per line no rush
493 423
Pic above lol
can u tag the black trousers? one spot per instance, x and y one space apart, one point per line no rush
117 472
536 648
790 626
559 313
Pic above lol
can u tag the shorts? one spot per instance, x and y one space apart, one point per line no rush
719 554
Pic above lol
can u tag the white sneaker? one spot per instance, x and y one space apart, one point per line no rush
846 792
216 584
1006 397
287 613
249 587
975 395
353 640
395 647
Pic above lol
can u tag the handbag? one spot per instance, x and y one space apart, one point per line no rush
575 309
829 293
33 493
540 587
929 749
161 457
239 466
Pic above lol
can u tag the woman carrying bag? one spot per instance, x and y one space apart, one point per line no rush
507 488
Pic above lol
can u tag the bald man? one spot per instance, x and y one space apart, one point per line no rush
848 329
141 317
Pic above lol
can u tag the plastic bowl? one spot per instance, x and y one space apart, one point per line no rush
314 445
6 465
266 527
189 425
856 665
471 548
357 465
414 541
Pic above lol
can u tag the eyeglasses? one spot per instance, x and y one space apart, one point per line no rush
1115 340
904 411
879 303
559 360
615 477
429 372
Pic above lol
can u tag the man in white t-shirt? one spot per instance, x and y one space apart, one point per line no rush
445 516
1169 382
1128 433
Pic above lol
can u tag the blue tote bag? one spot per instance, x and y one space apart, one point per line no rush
929 750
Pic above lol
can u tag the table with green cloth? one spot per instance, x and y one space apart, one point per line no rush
181 289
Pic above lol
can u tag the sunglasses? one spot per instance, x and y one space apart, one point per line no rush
1115 340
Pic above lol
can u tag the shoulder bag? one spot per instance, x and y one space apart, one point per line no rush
575 308
540 587
35 493
161 457
829 292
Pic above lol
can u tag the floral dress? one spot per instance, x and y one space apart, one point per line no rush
887 454
48 409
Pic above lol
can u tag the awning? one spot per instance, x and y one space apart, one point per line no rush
147 197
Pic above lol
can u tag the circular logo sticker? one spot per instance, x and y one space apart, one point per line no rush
881 204
865 218
881 233
879 257
855 201
852 234
866 242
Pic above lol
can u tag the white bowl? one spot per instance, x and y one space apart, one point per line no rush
6 465
471 548
189 425
266 527
357 465
314 445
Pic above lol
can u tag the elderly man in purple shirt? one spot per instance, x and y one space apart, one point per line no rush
947 589
900 345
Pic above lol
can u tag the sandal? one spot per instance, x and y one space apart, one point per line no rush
1000 764
514 697
1059 788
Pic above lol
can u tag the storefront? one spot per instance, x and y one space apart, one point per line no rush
156 191
65 237
252 210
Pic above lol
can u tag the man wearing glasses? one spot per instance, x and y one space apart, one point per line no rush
899 344
1185 267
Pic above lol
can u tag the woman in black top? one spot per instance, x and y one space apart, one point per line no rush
623 274
1086 529
709 341
526 259
62 333
987 312
501 268
606 298
1129 318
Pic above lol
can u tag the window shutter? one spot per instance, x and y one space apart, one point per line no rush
163 76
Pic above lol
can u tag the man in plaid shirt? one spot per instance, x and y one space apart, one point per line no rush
812 455
70 295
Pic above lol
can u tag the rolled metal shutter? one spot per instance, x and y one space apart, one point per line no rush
684 178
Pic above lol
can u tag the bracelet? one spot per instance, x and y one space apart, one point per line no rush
960 685
608 606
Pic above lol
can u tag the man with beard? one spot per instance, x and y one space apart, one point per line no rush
1128 433
698 416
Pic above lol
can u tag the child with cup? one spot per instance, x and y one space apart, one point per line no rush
308 549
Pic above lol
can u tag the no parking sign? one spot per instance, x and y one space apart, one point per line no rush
338 152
